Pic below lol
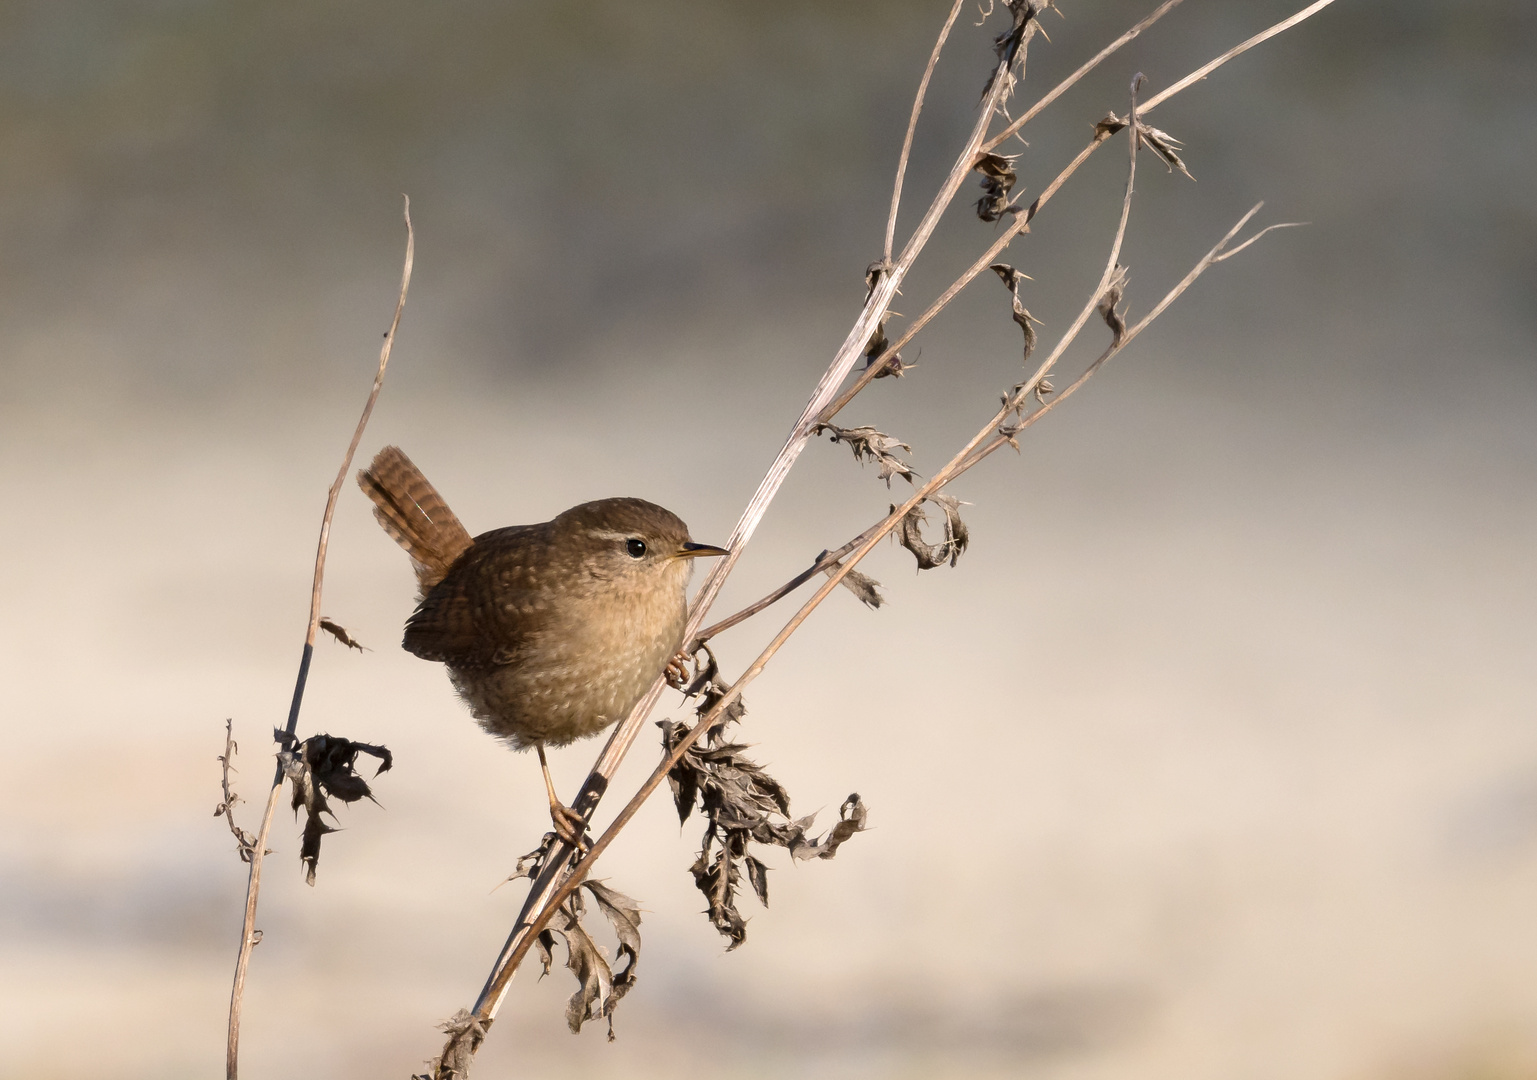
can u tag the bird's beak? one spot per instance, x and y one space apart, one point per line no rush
694 551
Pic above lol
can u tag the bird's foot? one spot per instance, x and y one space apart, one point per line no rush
678 674
570 827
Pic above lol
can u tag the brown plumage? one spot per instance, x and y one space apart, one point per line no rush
411 510
550 632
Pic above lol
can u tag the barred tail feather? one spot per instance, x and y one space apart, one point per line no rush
411 510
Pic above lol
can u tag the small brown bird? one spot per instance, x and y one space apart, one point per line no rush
550 632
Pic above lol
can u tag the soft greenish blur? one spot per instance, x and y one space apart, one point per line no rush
1214 757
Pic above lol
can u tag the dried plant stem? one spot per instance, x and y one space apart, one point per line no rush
825 560
538 906
968 456
1063 86
1237 50
1219 253
249 935
912 127
561 872
1022 220
244 841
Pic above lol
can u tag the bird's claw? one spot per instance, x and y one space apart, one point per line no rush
570 827
678 674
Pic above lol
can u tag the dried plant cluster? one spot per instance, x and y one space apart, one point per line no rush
741 804
744 810
324 766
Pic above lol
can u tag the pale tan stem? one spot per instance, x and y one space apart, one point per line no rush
1022 221
912 128
629 729
249 935
1063 86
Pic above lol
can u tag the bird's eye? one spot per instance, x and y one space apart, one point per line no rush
636 548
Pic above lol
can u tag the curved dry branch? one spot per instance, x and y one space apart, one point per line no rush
249 935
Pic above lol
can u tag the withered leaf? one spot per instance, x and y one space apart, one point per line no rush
623 915
1110 125
321 766
852 816
998 180
340 634
1012 279
868 444
956 535
465 1034
1163 144
757 875
1109 302
879 343
532 865
595 983
875 273
866 588
742 805
1006 45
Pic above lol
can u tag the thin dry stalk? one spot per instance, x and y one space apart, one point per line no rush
1067 83
1237 50
823 562
245 843
560 876
879 299
912 128
249 935
1022 220
965 459
1219 253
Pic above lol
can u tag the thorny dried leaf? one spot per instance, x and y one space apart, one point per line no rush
245 842
1110 125
465 1034
957 536
321 766
879 342
1163 144
1011 279
1006 45
1110 300
532 865
869 444
866 588
599 989
340 634
875 273
743 805
998 180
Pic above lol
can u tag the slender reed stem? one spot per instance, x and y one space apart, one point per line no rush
1021 223
912 128
249 935
879 299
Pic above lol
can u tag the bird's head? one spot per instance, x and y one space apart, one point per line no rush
628 540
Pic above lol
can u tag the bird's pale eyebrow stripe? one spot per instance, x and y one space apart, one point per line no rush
603 535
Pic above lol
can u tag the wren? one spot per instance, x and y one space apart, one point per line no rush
549 632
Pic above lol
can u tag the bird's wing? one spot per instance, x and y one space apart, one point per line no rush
487 605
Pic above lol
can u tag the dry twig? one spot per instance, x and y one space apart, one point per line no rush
249 935
245 843
558 873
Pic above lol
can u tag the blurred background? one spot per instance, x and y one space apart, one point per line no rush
1214 757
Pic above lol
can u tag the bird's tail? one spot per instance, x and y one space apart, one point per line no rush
411 510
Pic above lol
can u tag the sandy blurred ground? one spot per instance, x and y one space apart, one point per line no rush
1215 756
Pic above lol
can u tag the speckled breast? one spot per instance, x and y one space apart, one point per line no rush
581 672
